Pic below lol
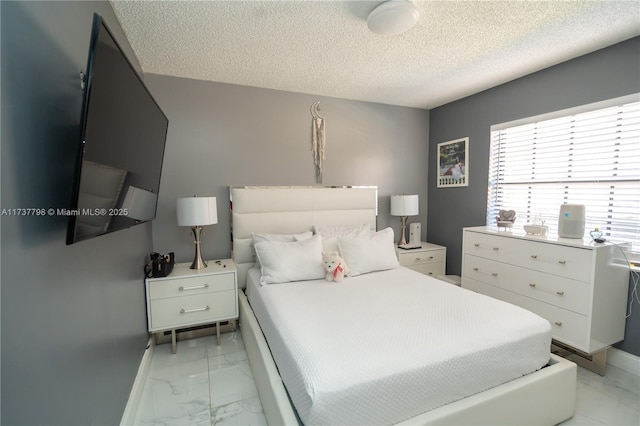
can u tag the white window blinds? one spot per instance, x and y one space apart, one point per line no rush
590 158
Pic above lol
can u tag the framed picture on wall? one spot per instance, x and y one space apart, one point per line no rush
453 163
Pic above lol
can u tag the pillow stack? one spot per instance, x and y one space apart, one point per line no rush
298 257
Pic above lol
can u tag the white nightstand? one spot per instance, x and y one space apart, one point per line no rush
190 297
429 259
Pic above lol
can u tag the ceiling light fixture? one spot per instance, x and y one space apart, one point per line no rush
393 17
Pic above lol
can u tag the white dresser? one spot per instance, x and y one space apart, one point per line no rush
580 287
428 259
189 297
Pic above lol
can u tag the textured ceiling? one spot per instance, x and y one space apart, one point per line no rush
324 47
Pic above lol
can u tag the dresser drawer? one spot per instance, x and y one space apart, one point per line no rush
182 311
566 326
558 291
161 289
570 262
429 268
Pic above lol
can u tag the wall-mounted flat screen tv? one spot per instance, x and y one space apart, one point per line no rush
121 148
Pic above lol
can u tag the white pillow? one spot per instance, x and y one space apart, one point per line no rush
290 261
331 233
376 252
281 237
256 238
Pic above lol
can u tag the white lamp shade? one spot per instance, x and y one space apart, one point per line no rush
393 17
197 211
140 203
404 205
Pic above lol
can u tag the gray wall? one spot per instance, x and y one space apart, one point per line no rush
605 74
221 135
73 317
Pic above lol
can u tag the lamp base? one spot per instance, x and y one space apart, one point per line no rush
198 263
403 240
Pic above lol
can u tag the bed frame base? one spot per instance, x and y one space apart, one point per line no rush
546 397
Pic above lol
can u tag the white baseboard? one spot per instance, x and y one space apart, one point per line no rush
624 360
129 415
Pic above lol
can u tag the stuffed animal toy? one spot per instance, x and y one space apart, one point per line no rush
335 266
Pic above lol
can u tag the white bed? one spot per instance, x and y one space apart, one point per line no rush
426 344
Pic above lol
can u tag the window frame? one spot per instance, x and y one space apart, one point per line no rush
496 170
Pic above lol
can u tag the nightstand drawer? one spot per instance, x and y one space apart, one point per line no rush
422 257
178 312
191 286
429 268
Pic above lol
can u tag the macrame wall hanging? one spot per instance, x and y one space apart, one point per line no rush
317 139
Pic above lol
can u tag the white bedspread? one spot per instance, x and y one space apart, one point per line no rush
383 347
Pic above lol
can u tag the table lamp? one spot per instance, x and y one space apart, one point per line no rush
403 206
197 212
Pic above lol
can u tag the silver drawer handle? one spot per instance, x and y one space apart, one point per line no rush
194 287
495 274
562 262
187 311
534 256
558 323
558 292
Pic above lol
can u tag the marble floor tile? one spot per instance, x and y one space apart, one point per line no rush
176 395
229 342
201 384
206 384
230 378
241 413
612 399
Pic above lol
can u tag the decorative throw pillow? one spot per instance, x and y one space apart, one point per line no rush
290 261
283 238
331 233
375 252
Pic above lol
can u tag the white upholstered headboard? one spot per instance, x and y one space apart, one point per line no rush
293 209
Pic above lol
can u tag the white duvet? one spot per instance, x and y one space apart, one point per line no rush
386 346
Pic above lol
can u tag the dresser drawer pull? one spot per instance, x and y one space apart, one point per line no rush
430 273
562 262
496 248
194 287
494 274
558 292
558 323
476 245
534 256
187 311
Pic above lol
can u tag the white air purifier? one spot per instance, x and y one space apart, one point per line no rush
415 230
571 221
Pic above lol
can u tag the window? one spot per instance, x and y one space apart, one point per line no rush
590 157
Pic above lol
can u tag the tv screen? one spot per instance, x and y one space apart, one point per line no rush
123 133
